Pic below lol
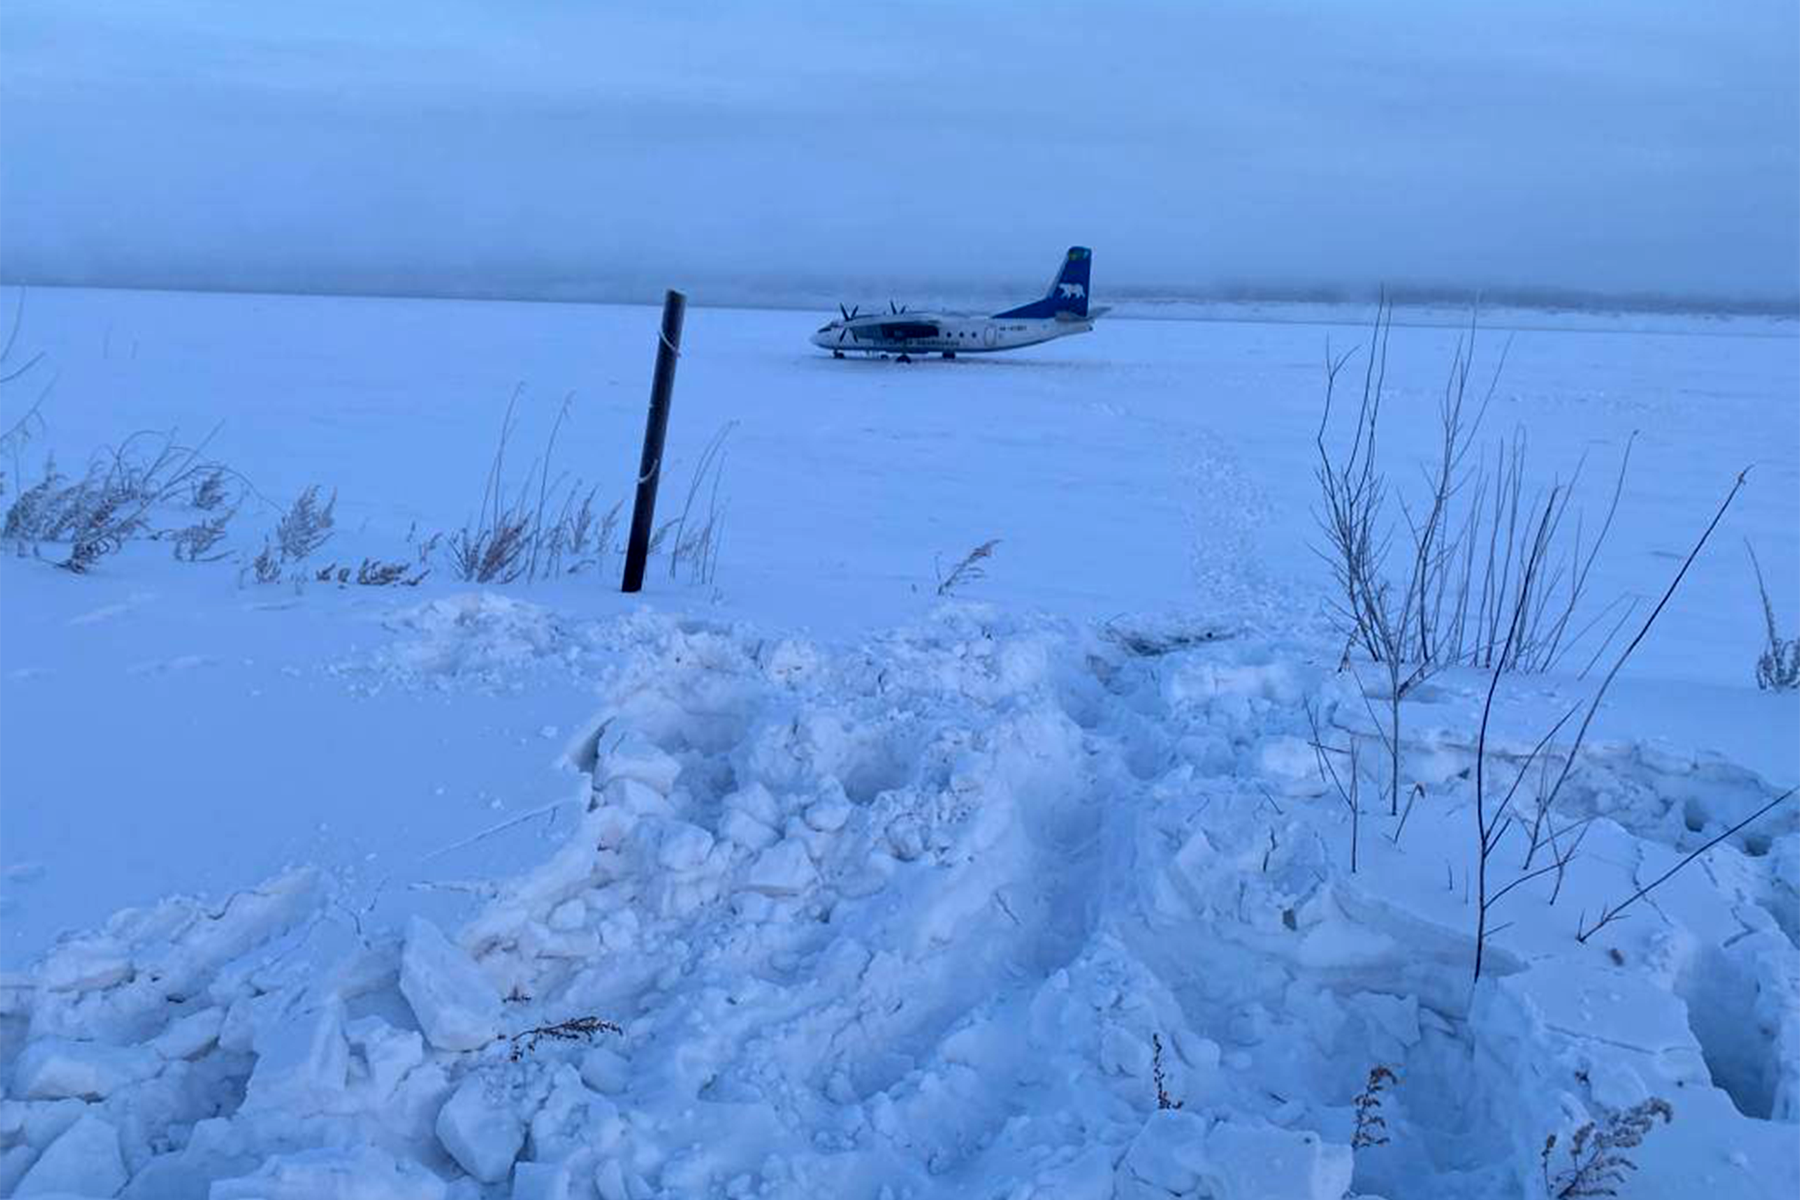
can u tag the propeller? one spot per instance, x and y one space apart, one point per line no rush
849 315
896 309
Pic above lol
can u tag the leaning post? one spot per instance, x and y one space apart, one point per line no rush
656 429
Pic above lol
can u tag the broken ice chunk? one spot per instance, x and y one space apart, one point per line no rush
84 1161
481 1129
52 1068
782 870
1177 1152
457 1008
189 1035
828 815
636 757
301 1064
684 847
333 1173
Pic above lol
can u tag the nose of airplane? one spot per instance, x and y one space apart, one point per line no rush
825 336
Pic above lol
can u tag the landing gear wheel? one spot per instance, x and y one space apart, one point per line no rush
949 354
905 358
837 354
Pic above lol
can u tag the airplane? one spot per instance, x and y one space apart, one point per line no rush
1062 311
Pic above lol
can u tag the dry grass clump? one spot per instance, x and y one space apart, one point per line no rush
1163 1099
1371 1127
968 570
116 499
549 524
372 572
303 528
576 1029
696 533
1597 1163
1778 666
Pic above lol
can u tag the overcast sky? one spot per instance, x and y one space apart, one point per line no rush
527 148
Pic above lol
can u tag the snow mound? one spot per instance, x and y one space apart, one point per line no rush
481 640
956 910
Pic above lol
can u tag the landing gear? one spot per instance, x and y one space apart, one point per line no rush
904 357
837 354
949 354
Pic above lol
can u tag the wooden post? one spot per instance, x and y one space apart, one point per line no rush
656 429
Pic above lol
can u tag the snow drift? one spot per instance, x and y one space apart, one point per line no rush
940 912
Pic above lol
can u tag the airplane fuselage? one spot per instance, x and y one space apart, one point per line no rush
1062 311
943 333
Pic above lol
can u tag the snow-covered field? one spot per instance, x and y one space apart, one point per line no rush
882 893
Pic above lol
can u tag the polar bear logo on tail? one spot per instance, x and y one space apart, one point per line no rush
1073 291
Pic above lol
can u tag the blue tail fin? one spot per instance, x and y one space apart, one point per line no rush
1068 291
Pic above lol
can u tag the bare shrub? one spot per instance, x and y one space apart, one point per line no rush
968 570
1612 913
1350 793
1470 533
1477 567
1597 1162
1493 823
1778 666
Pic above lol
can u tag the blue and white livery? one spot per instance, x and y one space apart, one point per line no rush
1062 311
